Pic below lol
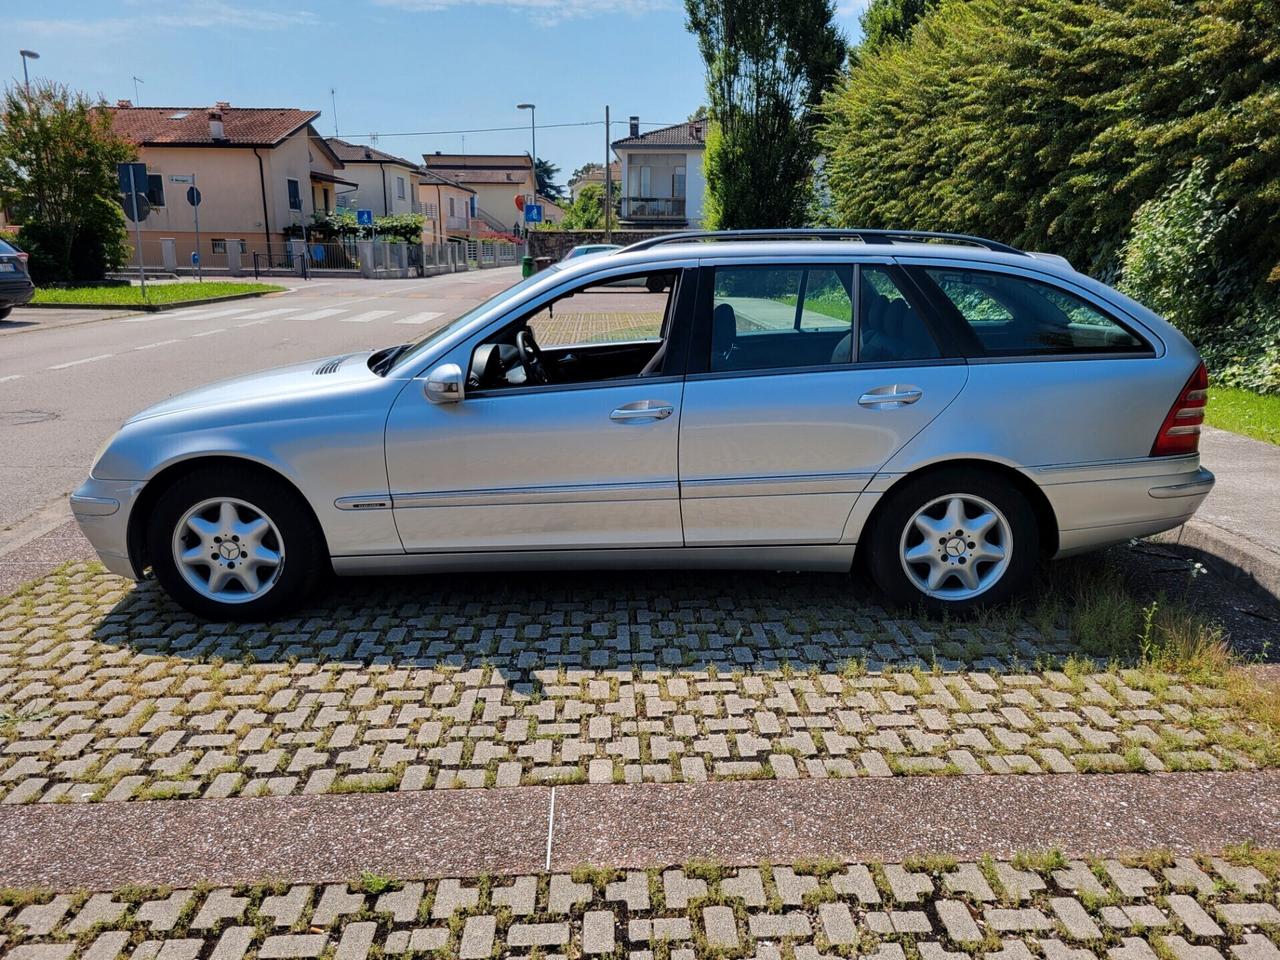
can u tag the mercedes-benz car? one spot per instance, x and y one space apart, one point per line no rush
947 409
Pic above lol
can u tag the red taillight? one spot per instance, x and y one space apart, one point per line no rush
1180 432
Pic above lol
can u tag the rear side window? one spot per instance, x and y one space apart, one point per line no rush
1017 316
889 329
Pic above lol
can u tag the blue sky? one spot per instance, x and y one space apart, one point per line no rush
398 66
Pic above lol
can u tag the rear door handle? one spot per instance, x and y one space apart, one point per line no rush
894 395
642 410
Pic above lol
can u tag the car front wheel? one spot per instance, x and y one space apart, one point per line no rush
954 540
234 545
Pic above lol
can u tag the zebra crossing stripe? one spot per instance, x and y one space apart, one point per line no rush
367 316
419 318
321 314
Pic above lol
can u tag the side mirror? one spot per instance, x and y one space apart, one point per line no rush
445 384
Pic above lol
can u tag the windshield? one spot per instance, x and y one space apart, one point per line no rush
407 353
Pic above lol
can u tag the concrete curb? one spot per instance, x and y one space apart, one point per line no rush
441 833
1230 555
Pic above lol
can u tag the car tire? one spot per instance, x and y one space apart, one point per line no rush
4 312
211 538
954 540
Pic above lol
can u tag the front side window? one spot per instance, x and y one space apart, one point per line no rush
603 330
295 195
1018 316
399 188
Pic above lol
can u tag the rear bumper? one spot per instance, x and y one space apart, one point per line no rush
102 509
14 293
1101 504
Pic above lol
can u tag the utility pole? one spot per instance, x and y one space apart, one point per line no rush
608 183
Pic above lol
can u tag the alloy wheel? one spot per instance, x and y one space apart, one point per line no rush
956 547
228 550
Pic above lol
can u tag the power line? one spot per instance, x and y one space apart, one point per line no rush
541 126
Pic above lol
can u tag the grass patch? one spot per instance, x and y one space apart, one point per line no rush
156 293
1244 412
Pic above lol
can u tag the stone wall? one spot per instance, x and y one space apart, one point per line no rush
556 243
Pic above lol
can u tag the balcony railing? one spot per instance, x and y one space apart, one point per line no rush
653 208
457 223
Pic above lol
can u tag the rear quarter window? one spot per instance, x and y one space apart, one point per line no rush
1014 316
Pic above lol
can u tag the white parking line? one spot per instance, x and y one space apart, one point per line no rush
205 333
12 376
321 314
158 343
419 318
366 317
76 363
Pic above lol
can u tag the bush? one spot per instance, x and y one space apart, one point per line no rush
1177 262
63 254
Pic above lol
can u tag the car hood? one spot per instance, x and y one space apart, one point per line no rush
296 381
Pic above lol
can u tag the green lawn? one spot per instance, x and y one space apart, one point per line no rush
156 293
1246 412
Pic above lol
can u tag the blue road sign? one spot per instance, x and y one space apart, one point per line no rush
364 218
533 213
195 259
139 182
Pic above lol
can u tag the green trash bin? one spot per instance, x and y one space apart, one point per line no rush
526 266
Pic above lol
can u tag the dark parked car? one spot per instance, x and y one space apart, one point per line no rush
16 287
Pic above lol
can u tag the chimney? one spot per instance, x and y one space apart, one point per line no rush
123 104
215 125
635 126
368 154
223 105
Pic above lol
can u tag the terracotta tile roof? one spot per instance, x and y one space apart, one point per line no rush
189 126
360 153
489 176
431 177
596 174
692 133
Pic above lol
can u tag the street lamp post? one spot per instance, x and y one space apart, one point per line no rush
27 55
533 146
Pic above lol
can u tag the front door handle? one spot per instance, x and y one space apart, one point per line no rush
893 396
642 410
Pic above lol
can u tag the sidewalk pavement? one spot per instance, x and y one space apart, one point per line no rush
1239 523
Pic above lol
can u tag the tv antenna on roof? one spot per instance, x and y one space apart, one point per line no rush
333 100
137 100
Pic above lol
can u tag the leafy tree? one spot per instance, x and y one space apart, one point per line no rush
547 187
587 212
885 21
699 114
58 156
1048 123
768 65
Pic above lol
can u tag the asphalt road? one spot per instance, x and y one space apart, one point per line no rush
68 382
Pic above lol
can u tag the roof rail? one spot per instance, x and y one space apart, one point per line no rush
826 233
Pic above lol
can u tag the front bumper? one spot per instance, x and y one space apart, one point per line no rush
102 509
1113 503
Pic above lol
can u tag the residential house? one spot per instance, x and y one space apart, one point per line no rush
260 170
497 180
386 184
662 182
594 173
448 206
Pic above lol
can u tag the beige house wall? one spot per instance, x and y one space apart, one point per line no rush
370 195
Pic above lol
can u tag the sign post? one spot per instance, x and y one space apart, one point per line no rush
133 175
193 198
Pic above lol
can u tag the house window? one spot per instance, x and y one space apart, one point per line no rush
295 194
399 188
452 208
678 182
155 189
219 245
325 192
429 209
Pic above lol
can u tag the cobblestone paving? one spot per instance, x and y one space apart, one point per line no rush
1043 906
107 692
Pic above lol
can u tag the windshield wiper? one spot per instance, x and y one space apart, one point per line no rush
381 363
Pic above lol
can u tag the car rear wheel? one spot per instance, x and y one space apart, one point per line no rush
954 540
235 545
4 312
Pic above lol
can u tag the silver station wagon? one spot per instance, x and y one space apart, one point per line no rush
949 408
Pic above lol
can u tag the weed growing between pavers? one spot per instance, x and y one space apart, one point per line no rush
1037 904
108 693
